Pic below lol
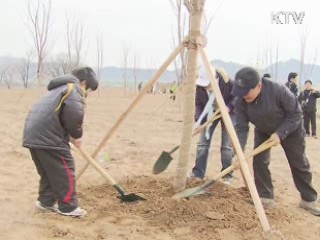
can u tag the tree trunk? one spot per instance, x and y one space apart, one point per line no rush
189 96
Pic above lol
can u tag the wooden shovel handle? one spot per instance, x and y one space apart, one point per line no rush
262 147
97 166
214 117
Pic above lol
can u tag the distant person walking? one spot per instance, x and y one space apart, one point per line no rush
308 101
293 79
173 88
139 86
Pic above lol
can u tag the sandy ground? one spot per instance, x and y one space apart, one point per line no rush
154 126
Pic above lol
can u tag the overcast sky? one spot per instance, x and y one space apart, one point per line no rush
241 30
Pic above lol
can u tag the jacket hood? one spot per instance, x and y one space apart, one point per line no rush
59 81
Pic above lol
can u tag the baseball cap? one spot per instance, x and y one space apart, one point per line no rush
245 79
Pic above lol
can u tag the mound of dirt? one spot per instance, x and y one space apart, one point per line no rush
223 209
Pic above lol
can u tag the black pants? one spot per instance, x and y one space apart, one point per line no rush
57 178
294 148
307 118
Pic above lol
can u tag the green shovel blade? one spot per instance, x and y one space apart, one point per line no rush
162 163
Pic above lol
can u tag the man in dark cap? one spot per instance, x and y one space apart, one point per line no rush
277 116
292 83
54 121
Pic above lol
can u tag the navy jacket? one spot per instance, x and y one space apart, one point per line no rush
202 97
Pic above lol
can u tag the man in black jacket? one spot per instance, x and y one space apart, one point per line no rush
54 121
277 116
292 83
308 101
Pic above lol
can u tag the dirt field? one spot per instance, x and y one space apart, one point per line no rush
225 213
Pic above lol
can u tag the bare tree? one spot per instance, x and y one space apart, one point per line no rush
3 72
100 55
276 70
125 55
24 68
8 75
68 40
311 65
78 42
180 13
303 46
39 13
136 70
59 65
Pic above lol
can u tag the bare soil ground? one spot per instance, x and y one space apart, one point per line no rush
224 213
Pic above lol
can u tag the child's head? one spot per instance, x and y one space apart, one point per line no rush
88 75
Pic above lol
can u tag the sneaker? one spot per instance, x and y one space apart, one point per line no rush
78 212
311 207
227 180
194 179
268 203
42 208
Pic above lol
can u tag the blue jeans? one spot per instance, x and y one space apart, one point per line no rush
203 148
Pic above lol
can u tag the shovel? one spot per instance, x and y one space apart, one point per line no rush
124 196
165 158
201 189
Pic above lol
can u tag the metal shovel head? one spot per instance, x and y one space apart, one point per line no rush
131 197
189 192
162 163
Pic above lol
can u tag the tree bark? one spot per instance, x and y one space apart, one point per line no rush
188 109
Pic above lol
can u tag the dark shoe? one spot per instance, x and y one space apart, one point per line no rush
311 207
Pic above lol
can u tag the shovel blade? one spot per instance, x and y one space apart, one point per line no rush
131 197
189 192
162 163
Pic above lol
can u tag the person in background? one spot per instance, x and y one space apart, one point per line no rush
140 86
173 88
54 121
203 89
292 82
266 75
308 101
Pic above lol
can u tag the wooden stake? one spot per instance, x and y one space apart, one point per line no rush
235 141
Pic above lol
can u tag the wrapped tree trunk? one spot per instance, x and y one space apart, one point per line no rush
195 8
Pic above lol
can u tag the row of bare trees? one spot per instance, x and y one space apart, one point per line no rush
39 23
